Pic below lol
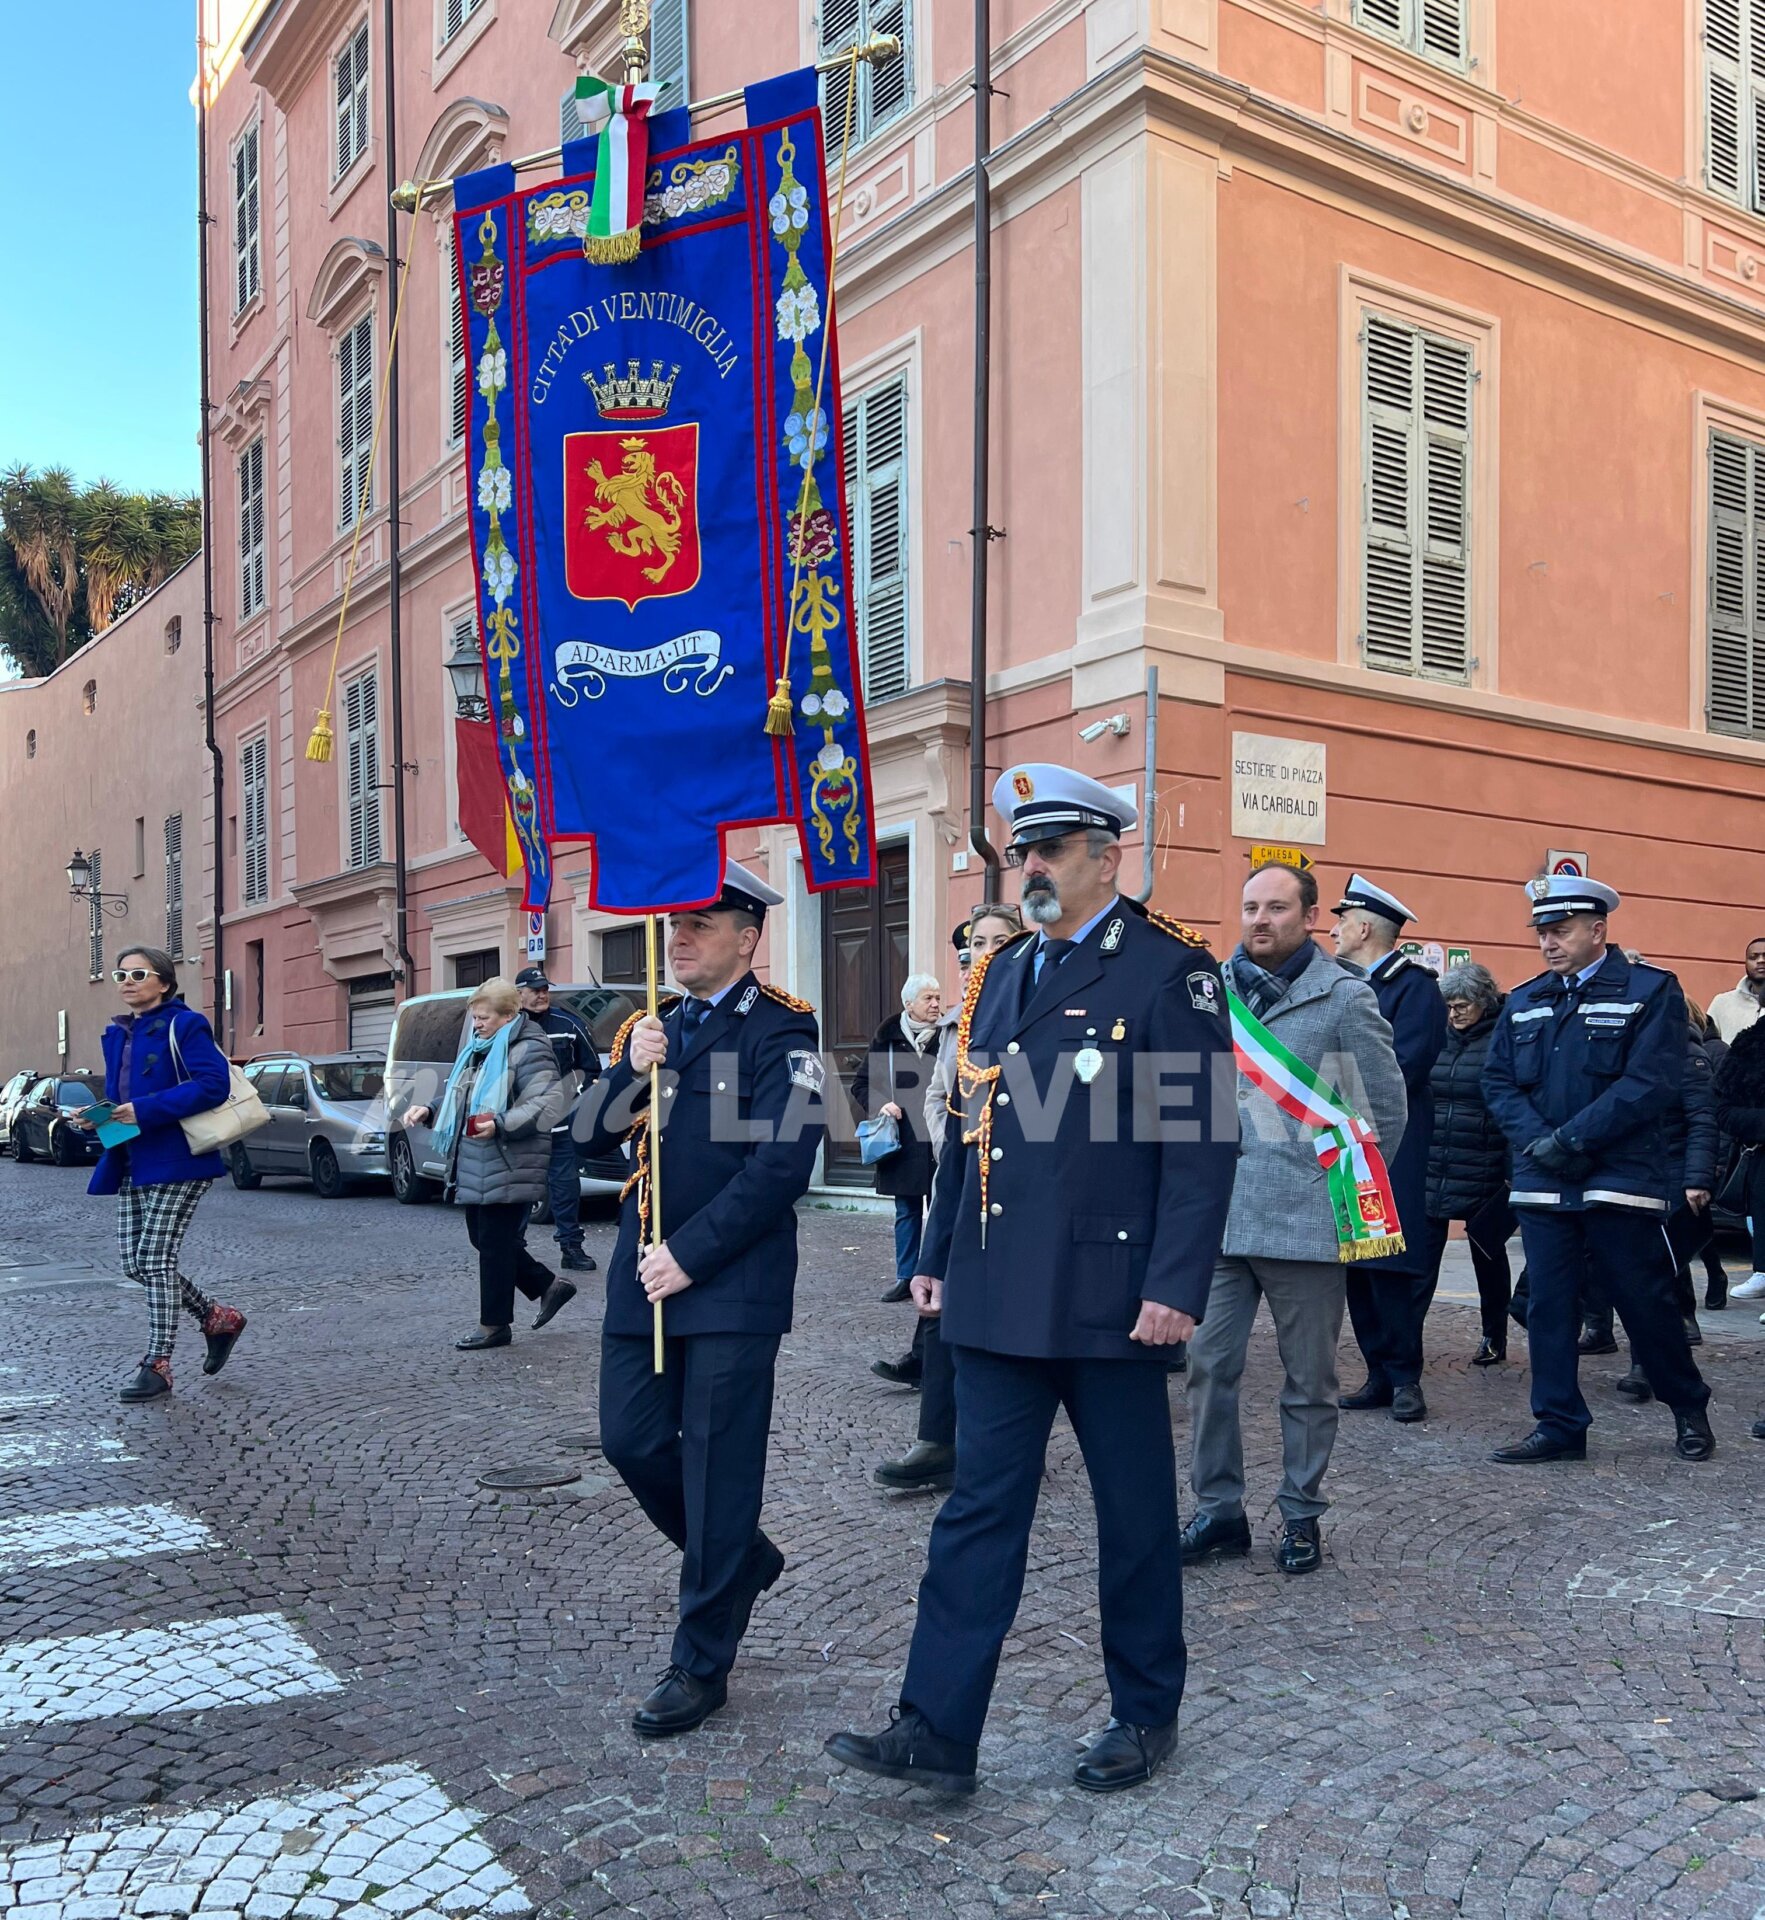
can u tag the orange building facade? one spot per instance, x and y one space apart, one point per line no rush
1385 377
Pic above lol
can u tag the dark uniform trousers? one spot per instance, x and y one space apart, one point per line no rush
968 1598
1389 1310
690 1443
1628 1249
937 1384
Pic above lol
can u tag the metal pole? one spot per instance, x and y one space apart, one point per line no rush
217 764
395 540
982 534
655 1125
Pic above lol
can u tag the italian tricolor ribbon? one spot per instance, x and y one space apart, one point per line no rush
1367 1225
619 118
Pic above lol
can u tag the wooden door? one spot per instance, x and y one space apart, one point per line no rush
863 969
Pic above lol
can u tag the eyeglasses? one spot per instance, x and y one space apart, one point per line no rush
135 975
1050 850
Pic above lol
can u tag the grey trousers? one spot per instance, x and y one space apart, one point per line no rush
1306 1299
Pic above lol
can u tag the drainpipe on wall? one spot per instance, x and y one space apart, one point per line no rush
208 613
395 531
982 533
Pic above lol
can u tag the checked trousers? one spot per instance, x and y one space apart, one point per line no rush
150 1226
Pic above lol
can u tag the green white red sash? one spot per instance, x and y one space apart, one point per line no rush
1367 1225
619 117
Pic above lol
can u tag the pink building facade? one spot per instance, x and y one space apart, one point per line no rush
1384 375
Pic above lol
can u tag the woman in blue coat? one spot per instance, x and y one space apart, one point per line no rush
161 1065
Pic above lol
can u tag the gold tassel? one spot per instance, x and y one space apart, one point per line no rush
1379 1249
319 743
613 249
778 711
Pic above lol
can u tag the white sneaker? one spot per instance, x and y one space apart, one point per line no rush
1751 1288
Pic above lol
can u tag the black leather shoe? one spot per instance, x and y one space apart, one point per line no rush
1176 1358
1124 1756
559 1294
901 1290
154 1379
907 1749
1694 1440
1759 1429
1301 1549
477 1342
1539 1446
1212 1536
765 1564
1694 1334
576 1261
1489 1355
1364 1398
1596 1340
679 1702
1408 1406
925 1467
903 1372
1634 1385
1716 1294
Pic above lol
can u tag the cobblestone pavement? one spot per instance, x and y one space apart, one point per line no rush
1521 1693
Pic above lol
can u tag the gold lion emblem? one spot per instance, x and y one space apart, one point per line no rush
640 508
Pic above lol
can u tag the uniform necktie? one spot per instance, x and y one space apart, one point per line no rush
693 1016
1050 954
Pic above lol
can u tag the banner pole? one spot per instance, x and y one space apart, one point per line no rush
649 947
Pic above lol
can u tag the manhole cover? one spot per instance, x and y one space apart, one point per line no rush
580 1442
513 1477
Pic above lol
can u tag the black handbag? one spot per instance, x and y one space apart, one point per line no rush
1732 1197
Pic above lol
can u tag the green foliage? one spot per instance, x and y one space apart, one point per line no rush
73 559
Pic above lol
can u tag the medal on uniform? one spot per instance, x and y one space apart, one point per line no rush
1119 1031
1087 1063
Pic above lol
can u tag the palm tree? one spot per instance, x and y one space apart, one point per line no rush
39 512
116 545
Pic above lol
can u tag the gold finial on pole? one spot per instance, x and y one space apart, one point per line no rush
634 23
407 196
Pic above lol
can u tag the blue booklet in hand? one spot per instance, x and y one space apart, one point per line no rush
112 1132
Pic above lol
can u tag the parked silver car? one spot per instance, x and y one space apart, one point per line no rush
327 1121
12 1097
426 1038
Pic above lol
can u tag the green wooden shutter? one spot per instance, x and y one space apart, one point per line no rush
670 36
1736 698
875 431
1723 137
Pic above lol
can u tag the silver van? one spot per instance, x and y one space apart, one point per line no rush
427 1034
327 1121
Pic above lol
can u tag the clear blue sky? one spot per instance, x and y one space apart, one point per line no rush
98 350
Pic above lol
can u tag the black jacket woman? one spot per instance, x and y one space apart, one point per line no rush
1740 1113
1468 1166
892 1080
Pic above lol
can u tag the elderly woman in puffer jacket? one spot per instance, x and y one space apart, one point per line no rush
493 1126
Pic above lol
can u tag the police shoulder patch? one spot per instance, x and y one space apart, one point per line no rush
1175 928
1205 993
807 1070
786 999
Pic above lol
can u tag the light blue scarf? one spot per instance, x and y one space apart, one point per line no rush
490 1092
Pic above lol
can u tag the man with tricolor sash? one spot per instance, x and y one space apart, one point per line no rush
1320 1107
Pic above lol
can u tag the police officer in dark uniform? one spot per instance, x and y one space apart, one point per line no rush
1070 1244
1584 1075
743 1094
579 1066
1388 1298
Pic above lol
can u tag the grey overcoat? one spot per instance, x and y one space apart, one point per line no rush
1281 1201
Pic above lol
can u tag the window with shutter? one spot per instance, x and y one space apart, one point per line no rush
875 438
247 280
1734 100
254 780
95 918
885 88
351 75
670 34
1415 515
251 530
1736 664
569 120
355 418
361 769
174 884
1439 30
454 15
458 386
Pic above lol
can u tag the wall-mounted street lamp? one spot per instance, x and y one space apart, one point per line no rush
465 668
79 886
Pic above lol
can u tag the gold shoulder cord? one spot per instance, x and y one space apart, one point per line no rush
973 1081
1175 928
639 1136
787 999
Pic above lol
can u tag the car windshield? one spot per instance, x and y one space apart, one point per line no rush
348 1079
74 1094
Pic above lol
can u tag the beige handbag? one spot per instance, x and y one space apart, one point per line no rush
242 1112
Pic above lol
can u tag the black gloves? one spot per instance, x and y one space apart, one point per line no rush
1554 1155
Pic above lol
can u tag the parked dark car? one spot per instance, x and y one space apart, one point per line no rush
43 1128
12 1097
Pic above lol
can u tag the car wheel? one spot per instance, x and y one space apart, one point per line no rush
245 1176
409 1188
21 1147
328 1180
541 1215
64 1150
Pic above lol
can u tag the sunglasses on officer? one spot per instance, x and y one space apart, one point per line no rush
1052 851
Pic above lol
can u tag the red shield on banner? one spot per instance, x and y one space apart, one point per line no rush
631 513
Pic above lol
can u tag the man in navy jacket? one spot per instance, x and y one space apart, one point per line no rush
1072 1238
742 1091
1585 1075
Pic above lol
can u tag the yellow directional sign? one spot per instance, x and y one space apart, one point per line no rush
1293 857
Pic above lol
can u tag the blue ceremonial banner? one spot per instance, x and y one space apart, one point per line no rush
639 439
